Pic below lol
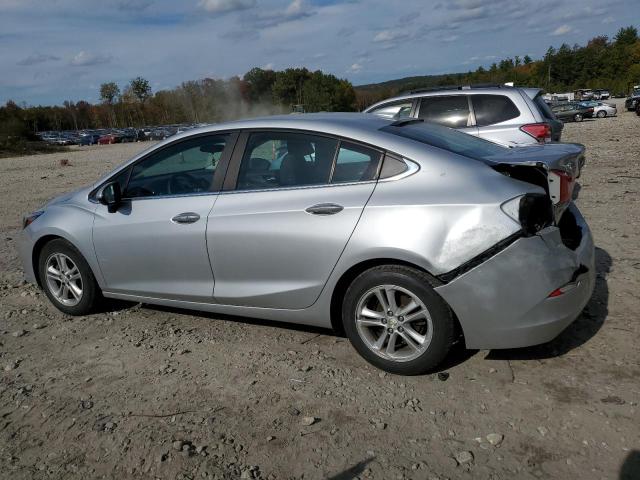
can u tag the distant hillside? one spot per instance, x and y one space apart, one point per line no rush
409 83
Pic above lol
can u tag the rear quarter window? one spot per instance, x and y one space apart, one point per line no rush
491 109
543 107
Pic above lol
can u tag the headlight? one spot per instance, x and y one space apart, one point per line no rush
29 219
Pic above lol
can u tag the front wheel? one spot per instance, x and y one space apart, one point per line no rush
396 321
67 278
601 114
578 117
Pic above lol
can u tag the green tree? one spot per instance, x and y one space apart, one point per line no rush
626 36
141 89
109 92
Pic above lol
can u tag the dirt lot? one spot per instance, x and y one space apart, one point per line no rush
142 392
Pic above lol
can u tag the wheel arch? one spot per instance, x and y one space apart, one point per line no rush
340 287
37 250
35 254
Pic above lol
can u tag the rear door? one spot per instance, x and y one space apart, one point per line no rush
290 204
449 110
495 116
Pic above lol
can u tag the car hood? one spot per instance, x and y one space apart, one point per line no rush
568 157
66 197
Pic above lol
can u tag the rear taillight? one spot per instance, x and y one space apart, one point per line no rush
567 183
540 131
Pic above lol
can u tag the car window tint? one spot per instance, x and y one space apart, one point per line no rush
355 163
281 159
451 111
396 110
492 109
183 168
447 139
543 107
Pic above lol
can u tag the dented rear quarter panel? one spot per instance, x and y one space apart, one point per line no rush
438 218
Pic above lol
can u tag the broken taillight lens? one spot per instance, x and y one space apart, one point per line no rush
540 131
532 211
567 182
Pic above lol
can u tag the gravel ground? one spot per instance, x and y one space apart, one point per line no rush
145 392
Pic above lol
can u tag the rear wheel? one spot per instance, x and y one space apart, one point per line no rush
601 114
578 117
67 279
396 321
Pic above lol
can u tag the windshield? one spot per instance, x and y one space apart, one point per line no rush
447 139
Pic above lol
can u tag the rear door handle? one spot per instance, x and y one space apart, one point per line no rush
186 217
325 209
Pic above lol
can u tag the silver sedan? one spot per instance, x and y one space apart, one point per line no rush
407 236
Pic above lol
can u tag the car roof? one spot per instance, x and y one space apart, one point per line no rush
499 90
351 125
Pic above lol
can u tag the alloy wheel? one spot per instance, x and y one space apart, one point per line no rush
394 323
63 279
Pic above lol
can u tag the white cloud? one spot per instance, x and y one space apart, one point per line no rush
224 6
608 19
562 30
355 68
85 59
268 66
389 36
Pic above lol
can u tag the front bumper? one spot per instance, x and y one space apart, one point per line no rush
505 303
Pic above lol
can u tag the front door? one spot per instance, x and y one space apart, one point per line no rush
155 244
295 199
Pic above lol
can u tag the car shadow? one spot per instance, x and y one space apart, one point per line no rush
352 472
579 332
245 320
630 469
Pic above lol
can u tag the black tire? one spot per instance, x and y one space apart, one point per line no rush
91 294
419 284
578 117
601 114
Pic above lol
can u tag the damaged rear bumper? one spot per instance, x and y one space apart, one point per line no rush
505 302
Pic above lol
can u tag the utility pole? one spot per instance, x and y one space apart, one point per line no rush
548 77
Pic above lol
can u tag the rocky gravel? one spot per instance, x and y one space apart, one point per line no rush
147 392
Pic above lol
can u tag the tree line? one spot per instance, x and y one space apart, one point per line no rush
258 92
613 64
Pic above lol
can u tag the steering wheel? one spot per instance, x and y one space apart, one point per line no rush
182 183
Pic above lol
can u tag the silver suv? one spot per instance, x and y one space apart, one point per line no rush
507 115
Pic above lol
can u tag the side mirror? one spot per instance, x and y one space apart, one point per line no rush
111 196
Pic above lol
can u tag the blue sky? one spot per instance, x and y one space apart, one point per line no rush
56 50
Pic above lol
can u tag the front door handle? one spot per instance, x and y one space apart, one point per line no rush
325 209
186 217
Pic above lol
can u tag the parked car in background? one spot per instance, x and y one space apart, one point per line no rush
506 115
601 109
572 112
583 94
406 234
89 139
108 139
601 94
632 100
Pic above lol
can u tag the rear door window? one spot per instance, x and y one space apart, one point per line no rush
450 111
283 159
492 109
